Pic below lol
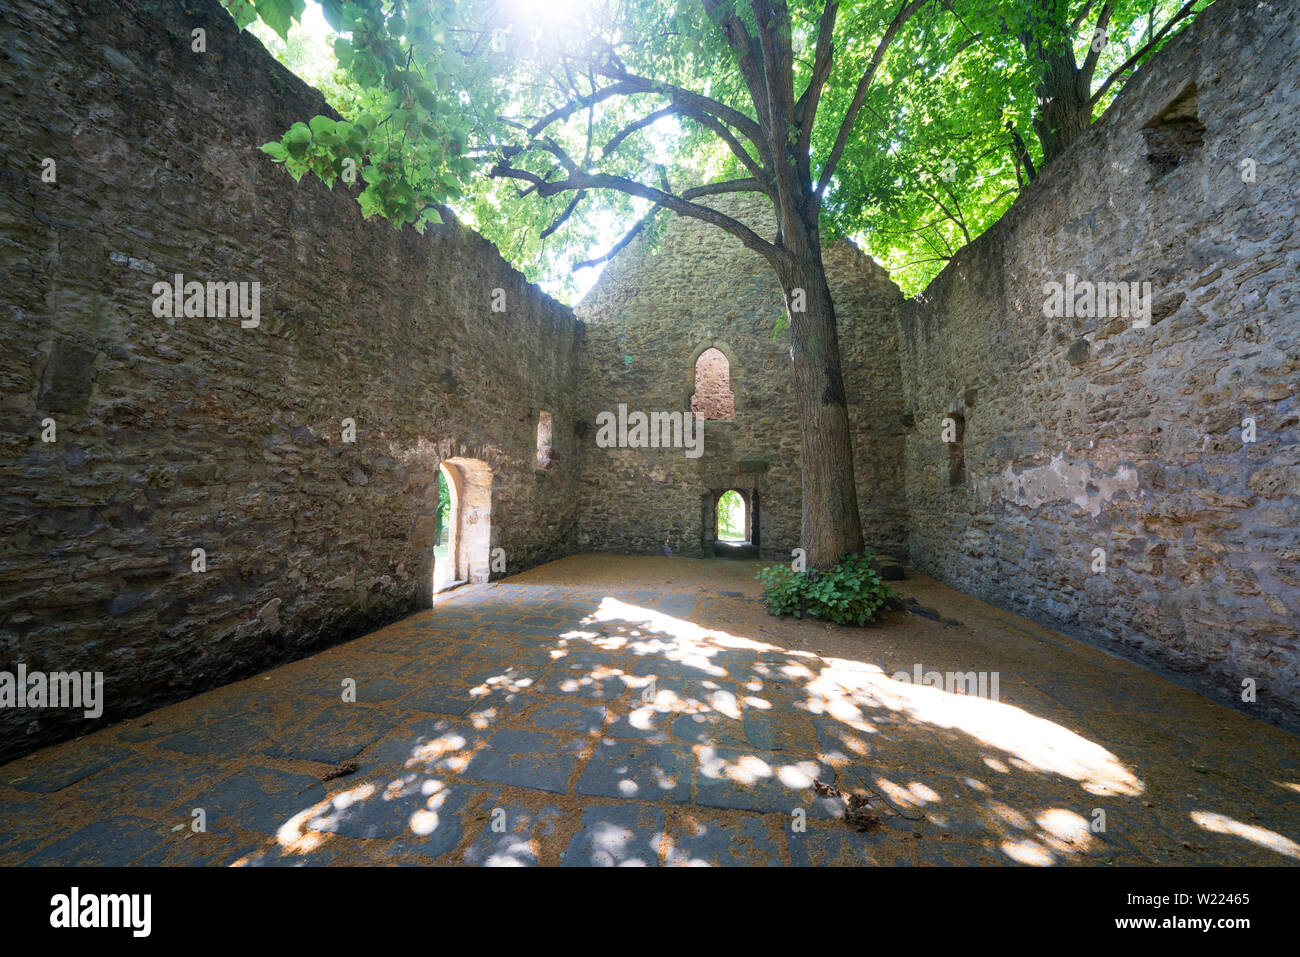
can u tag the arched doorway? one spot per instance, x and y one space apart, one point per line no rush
731 523
730 517
463 539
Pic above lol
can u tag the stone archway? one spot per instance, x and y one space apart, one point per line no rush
466 555
713 543
730 517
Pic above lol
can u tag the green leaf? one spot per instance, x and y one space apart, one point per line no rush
280 14
333 10
426 97
321 125
297 139
343 52
242 10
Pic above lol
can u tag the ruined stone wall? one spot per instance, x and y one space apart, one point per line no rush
655 310
184 433
1085 433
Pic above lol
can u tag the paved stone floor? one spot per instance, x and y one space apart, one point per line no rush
609 710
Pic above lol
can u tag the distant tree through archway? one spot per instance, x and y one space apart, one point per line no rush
462 548
731 517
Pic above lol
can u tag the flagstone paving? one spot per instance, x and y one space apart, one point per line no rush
604 710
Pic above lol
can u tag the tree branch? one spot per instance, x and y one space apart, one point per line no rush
687 99
578 180
1020 152
748 185
1094 53
581 103
684 103
560 220
956 217
749 58
707 112
860 96
1128 64
773 21
618 247
631 128
805 110
1081 16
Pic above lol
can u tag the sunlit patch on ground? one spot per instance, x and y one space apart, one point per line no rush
542 720
1222 824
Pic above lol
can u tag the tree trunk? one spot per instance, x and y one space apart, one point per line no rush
832 526
1064 113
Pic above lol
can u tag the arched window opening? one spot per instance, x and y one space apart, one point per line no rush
713 398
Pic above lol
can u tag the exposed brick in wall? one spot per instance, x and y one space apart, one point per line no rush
713 398
180 433
1086 432
653 313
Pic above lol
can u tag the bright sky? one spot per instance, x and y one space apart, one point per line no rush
313 20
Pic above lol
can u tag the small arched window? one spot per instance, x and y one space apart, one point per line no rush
713 398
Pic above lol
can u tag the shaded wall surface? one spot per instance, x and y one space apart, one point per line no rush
655 310
1085 432
180 433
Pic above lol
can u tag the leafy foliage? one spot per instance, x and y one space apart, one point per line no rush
731 516
956 131
276 14
850 593
783 590
410 111
443 511
436 93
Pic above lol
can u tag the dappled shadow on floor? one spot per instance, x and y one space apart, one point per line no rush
527 723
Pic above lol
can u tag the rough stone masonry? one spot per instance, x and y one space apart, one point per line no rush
179 433
1172 447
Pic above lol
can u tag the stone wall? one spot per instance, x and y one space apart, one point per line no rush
1085 433
181 433
654 311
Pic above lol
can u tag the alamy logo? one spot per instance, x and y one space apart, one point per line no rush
212 300
983 684
58 689
656 430
1081 298
103 910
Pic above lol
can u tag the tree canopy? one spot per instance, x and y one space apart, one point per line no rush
968 100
